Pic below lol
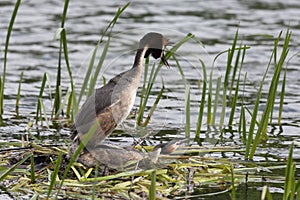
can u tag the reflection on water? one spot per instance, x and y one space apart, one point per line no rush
33 51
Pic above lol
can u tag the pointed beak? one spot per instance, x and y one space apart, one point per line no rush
164 60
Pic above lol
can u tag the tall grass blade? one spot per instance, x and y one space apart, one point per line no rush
19 94
54 174
3 79
38 108
216 102
202 103
62 47
64 14
254 114
235 68
266 193
146 94
64 102
179 68
114 21
226 78
222 117
43 112
281 98
297 189
72 99
252 123
234 101
253 120
87 75
242 124
187 112
154 106
289 182
233 192
32 172
278 69
94 78
57 98
262 129
152 191
13 168
229 59
178 45
143 93
209 100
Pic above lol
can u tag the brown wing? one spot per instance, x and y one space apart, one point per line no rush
95 107
106 124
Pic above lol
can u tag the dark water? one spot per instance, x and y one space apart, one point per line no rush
33 51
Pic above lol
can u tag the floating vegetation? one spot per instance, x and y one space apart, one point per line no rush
36 171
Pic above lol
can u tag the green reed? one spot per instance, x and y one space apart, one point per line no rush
202 102
3 78
216 101
242 122
291 185
238 64
54 175
19 93
266 115
209 100
231 87
32 172
14 167
187 110
152 109
233 190
231 84
281 98
179 68
62 32
146 88
152 190
230 55
40 109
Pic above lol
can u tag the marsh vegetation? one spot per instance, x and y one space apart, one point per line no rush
223 103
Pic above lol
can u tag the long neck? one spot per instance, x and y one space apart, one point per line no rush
139 58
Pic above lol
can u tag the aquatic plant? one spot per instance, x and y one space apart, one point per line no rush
3 78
